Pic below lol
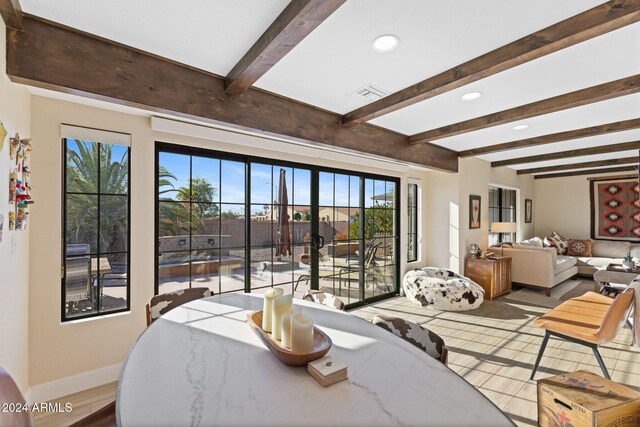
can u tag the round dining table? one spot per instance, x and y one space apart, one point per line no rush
201 364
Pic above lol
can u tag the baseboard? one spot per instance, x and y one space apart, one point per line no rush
73 384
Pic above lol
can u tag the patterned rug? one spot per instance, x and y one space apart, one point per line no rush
568 289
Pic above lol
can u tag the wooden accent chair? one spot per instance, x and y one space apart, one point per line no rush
591 320
163 303
10 393
324 298
421 337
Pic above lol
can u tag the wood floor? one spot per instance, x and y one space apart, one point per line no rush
83 403
493 348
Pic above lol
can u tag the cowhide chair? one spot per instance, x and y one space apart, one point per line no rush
421 337
324 298
10 393
163 303
442 289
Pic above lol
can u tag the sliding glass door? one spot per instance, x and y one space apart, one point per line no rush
234 223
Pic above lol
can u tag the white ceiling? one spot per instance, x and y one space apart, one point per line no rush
208 34
337 58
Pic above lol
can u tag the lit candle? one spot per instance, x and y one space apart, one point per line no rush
286 327
281 306
267 308
301 333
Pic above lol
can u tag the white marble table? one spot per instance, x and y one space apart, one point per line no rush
201 364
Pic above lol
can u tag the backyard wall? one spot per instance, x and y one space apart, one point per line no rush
15 111
563 206
65 358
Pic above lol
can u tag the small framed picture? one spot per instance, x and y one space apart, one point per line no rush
528 210
474 211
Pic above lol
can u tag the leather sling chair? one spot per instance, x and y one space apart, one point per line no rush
591 320
10 393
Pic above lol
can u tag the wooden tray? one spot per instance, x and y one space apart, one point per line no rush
621 269
321 343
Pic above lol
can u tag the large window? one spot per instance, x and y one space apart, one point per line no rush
238 223
412 223
502 208
96 223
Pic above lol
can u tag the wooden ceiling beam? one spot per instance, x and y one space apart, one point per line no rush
584 26
554 137
582 165
296 22
578 98
611 148
587 172
11 13
56 57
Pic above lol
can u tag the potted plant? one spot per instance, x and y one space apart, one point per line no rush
627 262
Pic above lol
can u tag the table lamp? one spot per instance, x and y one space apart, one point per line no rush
503 227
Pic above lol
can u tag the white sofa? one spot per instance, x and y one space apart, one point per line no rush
541 267
538 267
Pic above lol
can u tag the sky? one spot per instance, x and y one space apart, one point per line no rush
335 189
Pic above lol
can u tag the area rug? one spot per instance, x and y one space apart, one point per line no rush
568 289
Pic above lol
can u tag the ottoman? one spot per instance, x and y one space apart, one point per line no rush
442 289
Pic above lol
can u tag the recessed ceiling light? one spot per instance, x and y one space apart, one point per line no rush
386 43
471 95
520 127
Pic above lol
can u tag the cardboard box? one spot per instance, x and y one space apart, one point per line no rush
584 399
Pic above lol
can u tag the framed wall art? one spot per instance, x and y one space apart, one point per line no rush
474 211
528 210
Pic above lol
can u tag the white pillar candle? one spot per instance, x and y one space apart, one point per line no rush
281 306
301 333
286 327
267 308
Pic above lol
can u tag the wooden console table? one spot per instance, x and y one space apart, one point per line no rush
493 274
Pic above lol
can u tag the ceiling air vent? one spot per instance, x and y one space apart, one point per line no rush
369 93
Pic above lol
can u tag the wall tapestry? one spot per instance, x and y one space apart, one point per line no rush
615 209
19 183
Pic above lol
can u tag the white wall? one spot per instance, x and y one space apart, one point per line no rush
563 205
59 351
15 105
446 219
441 220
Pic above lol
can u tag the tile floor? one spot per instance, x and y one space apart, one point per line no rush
493 348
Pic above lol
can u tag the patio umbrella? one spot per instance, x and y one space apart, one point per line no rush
283 243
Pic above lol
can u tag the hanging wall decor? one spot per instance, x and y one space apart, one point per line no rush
12 220
3 135
615 209
19 183
1 225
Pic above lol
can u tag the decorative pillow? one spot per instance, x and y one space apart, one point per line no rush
557 241
579 247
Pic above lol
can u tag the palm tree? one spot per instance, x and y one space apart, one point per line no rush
88 165
173 218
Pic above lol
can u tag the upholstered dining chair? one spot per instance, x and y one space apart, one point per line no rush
421 337
10 393
324 298
591 320
163 303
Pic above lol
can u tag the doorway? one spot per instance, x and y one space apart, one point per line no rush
240 223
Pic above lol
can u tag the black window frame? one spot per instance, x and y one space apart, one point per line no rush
497 207
412 222
98 312
161 146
